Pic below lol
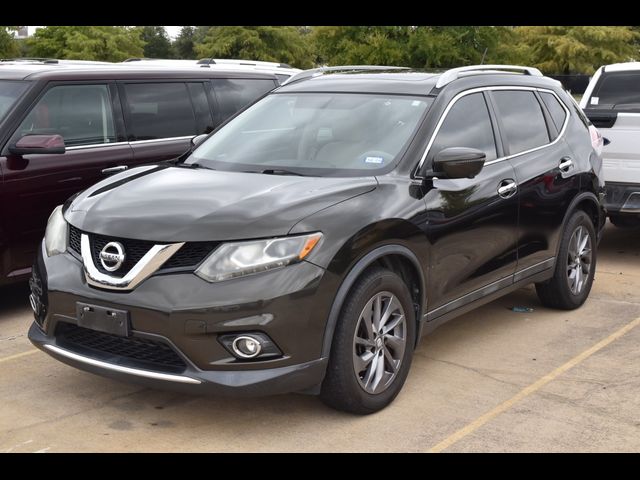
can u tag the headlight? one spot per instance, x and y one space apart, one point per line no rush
56 235
236 259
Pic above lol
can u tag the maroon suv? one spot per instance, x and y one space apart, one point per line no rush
65 127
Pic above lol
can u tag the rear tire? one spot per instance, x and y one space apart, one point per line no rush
371 352
575 266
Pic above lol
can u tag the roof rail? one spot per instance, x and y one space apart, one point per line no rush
30 59
315 72
454 73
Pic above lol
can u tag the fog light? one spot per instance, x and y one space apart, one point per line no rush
246 347
34 305
250 345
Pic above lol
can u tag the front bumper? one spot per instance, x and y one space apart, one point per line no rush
185 314
622 198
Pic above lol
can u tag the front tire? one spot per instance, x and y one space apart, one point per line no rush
372 345
575 266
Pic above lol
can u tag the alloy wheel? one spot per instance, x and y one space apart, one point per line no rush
579 259
379 342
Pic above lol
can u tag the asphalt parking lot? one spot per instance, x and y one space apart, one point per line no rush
490 381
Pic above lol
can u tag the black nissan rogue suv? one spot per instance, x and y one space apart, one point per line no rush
312 239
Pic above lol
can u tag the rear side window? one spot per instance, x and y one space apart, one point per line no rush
201 107
618 91
522 119
159 110
467 125
233 94
558 114
80 113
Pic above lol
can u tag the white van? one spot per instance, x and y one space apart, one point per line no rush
612 103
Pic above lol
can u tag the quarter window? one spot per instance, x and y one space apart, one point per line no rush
80 113
160 110
558 114
522 119
467 125
234 94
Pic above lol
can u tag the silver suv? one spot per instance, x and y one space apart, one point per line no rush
612 103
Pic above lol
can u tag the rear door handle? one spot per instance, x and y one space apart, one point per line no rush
506 188
110 170
565 164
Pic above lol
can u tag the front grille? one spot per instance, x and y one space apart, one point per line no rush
187 258
74 239
134 251
190 255
130 351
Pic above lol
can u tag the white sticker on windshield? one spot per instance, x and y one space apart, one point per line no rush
595 100
377 160
416 103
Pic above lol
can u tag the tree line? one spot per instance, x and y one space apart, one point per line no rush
553 49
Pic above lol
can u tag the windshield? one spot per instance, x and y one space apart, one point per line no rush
315 134
10 91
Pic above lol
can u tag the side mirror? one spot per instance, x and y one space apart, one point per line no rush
458 162
38 145
605 141
198 139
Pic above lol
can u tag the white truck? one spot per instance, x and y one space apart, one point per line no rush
612 103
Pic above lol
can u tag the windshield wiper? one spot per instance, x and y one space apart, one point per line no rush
281 171
193 165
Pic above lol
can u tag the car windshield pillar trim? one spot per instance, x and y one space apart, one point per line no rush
146 266
486 89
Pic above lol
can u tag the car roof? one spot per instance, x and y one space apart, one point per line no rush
66 71
622 67
409 82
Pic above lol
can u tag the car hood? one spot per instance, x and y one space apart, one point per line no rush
169 204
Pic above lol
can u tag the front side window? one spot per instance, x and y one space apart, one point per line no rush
467 125
10 92
81 114
618 91
234 94
159 110
315 134
522 119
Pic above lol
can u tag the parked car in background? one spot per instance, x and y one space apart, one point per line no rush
64 127
308 243
281 70
612 103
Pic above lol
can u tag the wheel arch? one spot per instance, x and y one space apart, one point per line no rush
393 256
588 203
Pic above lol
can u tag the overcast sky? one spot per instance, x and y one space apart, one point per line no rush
172 31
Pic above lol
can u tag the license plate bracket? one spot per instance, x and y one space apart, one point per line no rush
103 319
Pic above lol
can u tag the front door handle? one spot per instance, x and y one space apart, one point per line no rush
506 188
110 170
565 164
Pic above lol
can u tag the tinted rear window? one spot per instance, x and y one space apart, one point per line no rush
522 119
160 110
619 91
236 93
